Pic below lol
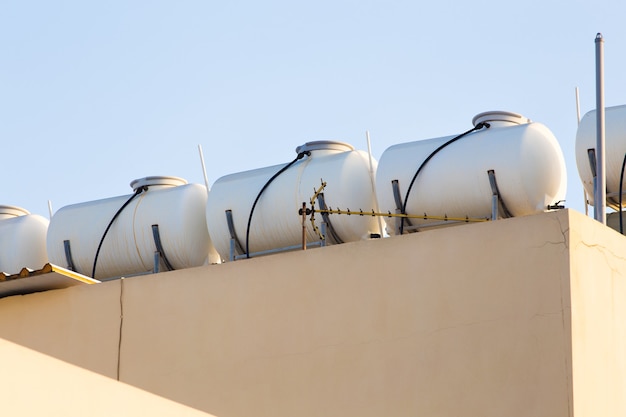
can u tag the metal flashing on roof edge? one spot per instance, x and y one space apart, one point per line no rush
50 277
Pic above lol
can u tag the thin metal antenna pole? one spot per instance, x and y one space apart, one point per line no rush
206 179
585 197
577 106
600 191
369 152
50 208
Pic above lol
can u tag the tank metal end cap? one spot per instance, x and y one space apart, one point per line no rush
500 116
13 211
157 180
325 145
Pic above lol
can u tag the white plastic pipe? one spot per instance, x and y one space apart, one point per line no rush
373 178
206 179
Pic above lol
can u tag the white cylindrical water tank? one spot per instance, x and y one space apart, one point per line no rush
275 222
614 148
525 156
22 240
129 246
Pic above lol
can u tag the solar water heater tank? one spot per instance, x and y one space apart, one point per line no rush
22 240
453 180
129 247
614 149
275 222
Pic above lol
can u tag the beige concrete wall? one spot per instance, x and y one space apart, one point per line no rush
598 283
470 320
80 325
34 384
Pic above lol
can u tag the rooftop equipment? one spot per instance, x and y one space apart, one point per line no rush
22 240
615 151
161 225
506 161
257 210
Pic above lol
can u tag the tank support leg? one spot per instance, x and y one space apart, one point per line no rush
329 227
591 154
395 185
159 250
494 207
496 198
68 255
157 262
232 255
235 245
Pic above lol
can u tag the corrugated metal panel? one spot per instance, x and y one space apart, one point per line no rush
50 277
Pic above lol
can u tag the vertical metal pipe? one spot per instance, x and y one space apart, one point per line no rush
600 191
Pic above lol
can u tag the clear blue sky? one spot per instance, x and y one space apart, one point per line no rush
96 94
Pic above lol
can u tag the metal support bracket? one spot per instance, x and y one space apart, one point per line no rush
612 199
157 262
329 227
323 230
68 255
395 185
159 253
591 154
235 245
496 198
